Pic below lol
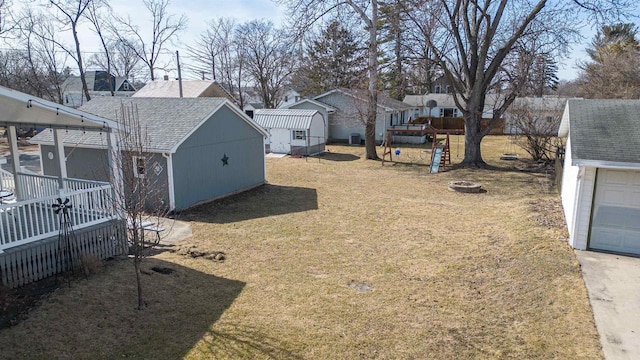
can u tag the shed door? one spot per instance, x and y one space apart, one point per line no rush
280 141
615 225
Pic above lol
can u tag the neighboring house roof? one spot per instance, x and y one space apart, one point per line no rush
284 118
167 121
255 105
190 89
445 100
603 131
384 101
96 81
329 108
545 103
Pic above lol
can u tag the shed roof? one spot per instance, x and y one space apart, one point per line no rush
605 131
167 121
284 118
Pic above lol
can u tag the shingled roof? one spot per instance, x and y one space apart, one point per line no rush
384 100
603 130
167 121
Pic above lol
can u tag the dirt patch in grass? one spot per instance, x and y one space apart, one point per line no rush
344 259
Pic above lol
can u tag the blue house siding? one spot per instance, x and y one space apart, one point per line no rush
82 163
199 173
92 164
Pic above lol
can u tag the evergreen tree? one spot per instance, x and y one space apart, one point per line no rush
543 75
333 59
614 69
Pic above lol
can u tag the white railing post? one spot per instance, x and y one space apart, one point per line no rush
62 159
12 137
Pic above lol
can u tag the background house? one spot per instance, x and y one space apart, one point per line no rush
293 131
199 149
540 114
324 109
250 108
351 109
601 176
190 89
289 97
99 83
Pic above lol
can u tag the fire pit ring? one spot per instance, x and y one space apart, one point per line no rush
464 186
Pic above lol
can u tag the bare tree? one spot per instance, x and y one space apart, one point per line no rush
306 13
269 59
7 22
219 53
474 46
45 65
165 27
69 14
98 15
124 62
537 131
137 197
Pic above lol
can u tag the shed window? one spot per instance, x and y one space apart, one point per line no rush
139 166
299 134
125 86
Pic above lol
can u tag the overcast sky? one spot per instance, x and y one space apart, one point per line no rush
199 12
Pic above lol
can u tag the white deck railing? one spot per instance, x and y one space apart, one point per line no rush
34 219
6 180
36 186
39 186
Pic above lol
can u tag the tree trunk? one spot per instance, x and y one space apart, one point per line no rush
136 264
472 139
372 106
83 79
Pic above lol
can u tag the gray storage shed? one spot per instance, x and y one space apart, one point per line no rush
293 131
199 149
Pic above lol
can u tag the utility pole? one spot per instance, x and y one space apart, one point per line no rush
179 73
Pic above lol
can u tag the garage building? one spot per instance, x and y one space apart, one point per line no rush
601 175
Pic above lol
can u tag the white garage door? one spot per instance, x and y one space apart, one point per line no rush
616 219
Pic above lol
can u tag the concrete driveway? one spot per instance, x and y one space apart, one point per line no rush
613 282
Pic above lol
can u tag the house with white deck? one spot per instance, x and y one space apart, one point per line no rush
29 225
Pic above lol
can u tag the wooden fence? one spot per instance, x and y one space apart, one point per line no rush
457 123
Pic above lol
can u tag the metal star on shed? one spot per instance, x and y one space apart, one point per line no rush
225 160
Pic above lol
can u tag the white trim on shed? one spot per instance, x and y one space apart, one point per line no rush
290 131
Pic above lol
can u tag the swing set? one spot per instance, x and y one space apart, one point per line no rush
440 147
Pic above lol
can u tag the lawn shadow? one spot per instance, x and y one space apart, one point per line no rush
97 318
264 201
241 342
333 156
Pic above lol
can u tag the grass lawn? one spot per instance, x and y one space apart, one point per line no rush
342 258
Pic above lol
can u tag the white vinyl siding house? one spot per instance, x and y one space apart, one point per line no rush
351 107
601 176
